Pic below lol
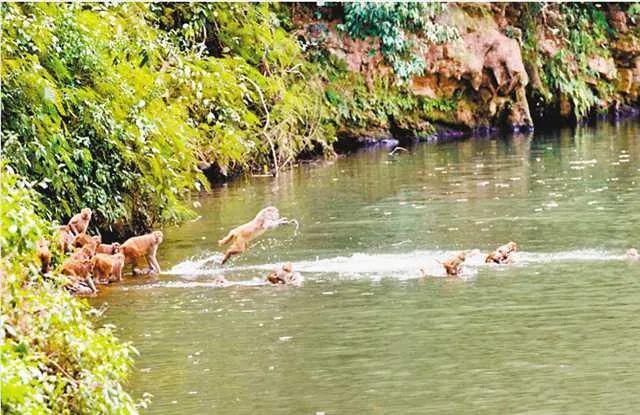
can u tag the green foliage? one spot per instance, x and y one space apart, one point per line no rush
358 107
85 115
582 96
113 106
634 10
54 361
261 79
583 33
393 23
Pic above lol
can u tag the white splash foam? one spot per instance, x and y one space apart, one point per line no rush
192 266
377 266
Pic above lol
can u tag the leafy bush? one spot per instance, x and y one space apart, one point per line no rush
113 106
85 116
257 103
581 95
53 359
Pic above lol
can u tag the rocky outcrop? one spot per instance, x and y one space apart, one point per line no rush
626 53
498 80
486 68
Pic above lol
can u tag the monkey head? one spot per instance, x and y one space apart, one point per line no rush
632 253
159 236
268 214
86 213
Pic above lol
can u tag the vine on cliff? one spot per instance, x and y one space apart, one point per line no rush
580 32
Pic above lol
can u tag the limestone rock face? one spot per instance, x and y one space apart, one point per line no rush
605 67
626 51
501 64
360 55
485 66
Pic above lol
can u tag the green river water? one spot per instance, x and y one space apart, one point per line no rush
557 332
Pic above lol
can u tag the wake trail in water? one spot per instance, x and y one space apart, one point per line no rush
402 266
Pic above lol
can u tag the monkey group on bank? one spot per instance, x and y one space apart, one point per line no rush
90 261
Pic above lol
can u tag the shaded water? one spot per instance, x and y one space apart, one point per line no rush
556 332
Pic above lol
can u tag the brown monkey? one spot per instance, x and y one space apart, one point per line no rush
453 265
632 254
275 278
110 249
240 237
107 268
79 270
118 265
87 243
64 238
284 275
83 239
44 254
86 252
144 246
80 222
502 254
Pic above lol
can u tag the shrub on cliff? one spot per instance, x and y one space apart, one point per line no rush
560 42
393 23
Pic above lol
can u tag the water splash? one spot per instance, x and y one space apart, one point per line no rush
402 266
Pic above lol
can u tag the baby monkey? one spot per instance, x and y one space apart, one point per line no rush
502 254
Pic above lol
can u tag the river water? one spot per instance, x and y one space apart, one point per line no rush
558 331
